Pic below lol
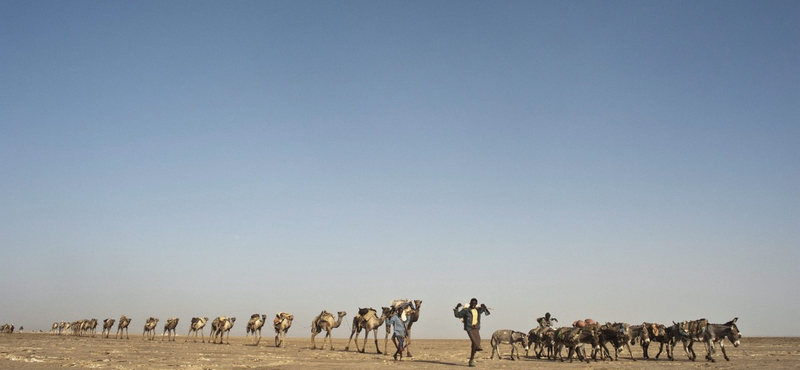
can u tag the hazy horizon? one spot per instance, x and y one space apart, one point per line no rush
618 160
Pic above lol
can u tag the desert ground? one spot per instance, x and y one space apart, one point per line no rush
46 351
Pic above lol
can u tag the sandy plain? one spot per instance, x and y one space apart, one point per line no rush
45 351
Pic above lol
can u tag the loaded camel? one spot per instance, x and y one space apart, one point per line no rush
281 323
123 326
220 326
198 323
324 321
410 310
89 326
254 326
169 328
150 328
368 320
107 325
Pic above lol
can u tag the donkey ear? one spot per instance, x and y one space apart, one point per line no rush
734 320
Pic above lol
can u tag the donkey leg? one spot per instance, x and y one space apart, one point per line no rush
724 354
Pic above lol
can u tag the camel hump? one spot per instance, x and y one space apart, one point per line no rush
254 316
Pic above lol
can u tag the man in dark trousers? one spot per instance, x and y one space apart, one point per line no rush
472 324
400 332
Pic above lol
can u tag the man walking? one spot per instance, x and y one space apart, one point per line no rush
400 332
471 316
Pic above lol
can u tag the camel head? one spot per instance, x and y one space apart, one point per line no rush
339 321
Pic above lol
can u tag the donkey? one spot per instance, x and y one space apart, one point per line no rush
508 337
618 334
688 332
573 339
542 339
589 335
657 333
536 336
717 333
636 332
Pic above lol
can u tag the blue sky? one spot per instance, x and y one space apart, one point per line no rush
625 161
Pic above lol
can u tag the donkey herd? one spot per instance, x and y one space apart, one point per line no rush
548 341
544 341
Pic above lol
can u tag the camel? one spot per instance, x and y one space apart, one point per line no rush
281 323
107 325
123 326
220 326
90 326
254 325
169 328
410 310
324 321
198 323
77 327
368 320
54 330
150 328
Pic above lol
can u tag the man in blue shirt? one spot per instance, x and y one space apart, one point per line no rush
400 332
472 324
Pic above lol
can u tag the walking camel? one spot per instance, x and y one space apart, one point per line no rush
368 320
198 323
220 326
169 328
123 326
107 325
410 310
281 323
150 328
324 321
254 326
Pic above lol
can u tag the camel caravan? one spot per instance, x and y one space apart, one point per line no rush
545 341
366 320
7 329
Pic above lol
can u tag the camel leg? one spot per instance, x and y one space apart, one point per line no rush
329 337
386 341
408 343
375 334
313 334
352 333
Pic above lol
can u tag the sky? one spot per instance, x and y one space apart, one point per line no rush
616 160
